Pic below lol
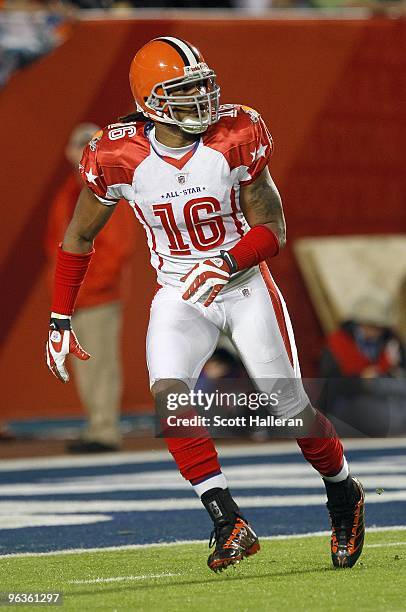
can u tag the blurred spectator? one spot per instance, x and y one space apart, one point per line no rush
365 364
98 316
28 30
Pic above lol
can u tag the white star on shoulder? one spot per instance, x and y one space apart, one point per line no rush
261 151
91 177
257 153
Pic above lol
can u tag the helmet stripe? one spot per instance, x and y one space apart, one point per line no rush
182 48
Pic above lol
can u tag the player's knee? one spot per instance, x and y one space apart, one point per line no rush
166 393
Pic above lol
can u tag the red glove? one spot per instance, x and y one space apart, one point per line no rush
62 341
209 276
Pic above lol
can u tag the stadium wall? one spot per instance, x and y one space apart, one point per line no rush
331 94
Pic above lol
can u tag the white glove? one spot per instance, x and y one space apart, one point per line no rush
208 276
62 341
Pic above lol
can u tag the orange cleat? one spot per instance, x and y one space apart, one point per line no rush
232 536
233 541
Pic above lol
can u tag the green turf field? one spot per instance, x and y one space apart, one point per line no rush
290 574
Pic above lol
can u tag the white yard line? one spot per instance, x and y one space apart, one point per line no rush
385 545
148 576
15 507
183 542
19 520
122 578
153 456
383 472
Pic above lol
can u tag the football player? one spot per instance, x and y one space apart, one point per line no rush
196 175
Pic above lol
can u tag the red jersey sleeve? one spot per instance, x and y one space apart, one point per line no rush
109 161
243 138
256 150
92 172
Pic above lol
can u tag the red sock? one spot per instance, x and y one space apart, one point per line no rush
192 448
324 453
196 458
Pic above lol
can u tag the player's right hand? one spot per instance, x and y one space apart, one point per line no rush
62 341
208 276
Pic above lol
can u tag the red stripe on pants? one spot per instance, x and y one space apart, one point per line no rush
324 453
277 306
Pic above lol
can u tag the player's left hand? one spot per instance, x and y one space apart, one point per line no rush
209 275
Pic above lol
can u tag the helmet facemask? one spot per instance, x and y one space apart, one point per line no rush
204 107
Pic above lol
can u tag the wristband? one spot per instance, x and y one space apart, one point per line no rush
230 261
258 244
70 272
60 324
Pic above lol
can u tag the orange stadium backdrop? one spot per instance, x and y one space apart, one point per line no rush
331 93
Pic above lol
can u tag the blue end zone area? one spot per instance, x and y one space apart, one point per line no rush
124 499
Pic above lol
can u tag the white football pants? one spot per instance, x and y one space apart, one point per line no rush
182 336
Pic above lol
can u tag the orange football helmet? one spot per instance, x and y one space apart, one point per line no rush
171 83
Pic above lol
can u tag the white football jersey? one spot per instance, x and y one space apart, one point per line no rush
188 206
